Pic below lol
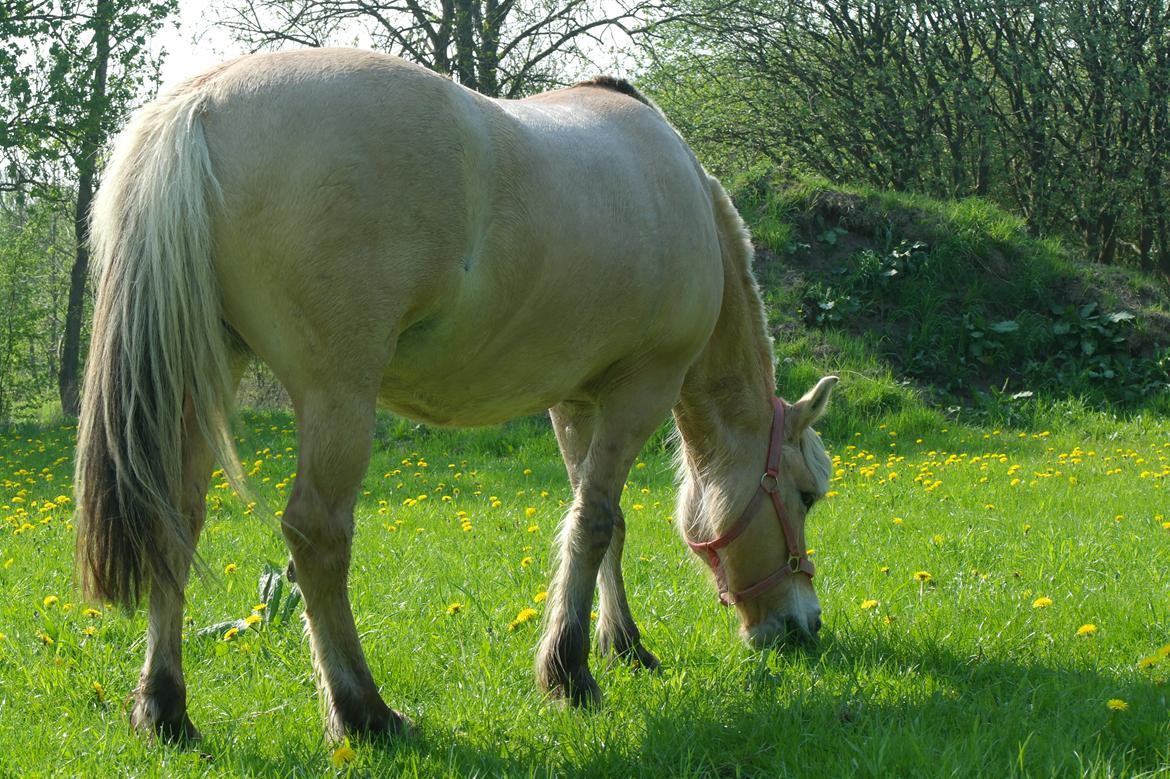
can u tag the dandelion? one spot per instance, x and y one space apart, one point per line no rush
89 631
534 528
1042 603
1163 651
884 569
527 561
252 619
1087 629
897 520
922 577
50 600
98 691
260 607
92 613
454 608
1148 662
45 638
231 633
530 512
230 568
540 597
527 471
342 755
525 615
869 603
1117 704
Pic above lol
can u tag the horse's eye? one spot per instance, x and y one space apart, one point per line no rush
808 499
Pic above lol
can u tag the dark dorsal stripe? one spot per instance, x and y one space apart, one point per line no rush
615 84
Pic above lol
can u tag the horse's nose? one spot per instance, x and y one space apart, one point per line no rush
816 623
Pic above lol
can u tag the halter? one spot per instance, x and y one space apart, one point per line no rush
797 562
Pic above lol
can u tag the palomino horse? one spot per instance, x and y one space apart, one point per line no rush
378 234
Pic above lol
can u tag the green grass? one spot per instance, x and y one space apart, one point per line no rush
961 676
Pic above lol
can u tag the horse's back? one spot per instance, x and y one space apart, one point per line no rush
481 258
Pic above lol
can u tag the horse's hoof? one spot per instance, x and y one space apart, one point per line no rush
160 711
578 689
147 718
373 722
632 654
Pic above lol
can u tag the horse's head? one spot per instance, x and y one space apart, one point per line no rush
749 527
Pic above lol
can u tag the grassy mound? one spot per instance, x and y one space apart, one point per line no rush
951 302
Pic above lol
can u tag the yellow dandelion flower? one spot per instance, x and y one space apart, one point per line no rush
1042 602
98 691
540 597
454 608
260 607
897 520
922 576
92 613
50 600
527 561
1087 629
342 755
231 633
530 512
884 569
1148 662
1117 704
1163 651
869 603
230 568
527 471
89 631
533 528
45 638
525 615
252 619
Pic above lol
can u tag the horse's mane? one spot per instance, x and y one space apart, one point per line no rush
617 85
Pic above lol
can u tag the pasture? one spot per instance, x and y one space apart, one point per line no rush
996 604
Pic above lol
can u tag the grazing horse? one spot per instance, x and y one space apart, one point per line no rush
377 234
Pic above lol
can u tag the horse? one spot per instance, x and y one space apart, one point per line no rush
379 235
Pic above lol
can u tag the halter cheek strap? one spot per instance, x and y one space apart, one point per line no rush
797 562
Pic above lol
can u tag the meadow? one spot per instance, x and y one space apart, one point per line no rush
996 604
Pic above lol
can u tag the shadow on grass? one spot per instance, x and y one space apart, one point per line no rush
859 706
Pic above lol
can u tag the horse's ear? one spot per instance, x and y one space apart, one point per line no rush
806 411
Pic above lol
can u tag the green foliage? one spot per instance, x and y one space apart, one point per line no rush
956 296
1057 110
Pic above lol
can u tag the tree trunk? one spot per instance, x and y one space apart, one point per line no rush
68 379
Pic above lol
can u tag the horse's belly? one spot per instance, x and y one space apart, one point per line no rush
463 400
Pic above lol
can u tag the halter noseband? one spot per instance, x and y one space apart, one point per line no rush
797 562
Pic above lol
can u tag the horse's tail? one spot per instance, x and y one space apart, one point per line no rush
158 350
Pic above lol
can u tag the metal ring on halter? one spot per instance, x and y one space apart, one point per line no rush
794 563
770 482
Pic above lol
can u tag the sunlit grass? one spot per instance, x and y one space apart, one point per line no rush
960 570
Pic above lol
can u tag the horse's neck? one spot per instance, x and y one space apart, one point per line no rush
725 405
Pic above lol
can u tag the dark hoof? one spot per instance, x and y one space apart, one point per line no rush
154 720
577 689
622 650
372 721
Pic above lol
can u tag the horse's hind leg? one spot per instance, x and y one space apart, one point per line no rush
336 429
160 700
618 636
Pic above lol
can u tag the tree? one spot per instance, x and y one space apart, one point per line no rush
73 68
501 48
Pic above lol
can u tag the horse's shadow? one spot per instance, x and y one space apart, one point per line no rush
853 713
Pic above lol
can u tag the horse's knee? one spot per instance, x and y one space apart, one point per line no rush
317 535
599 519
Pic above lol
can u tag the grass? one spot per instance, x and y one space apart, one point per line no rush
963 675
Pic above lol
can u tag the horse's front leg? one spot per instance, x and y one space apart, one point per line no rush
562 667
618 636
598 466
336 435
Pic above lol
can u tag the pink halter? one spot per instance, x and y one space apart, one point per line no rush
797 562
